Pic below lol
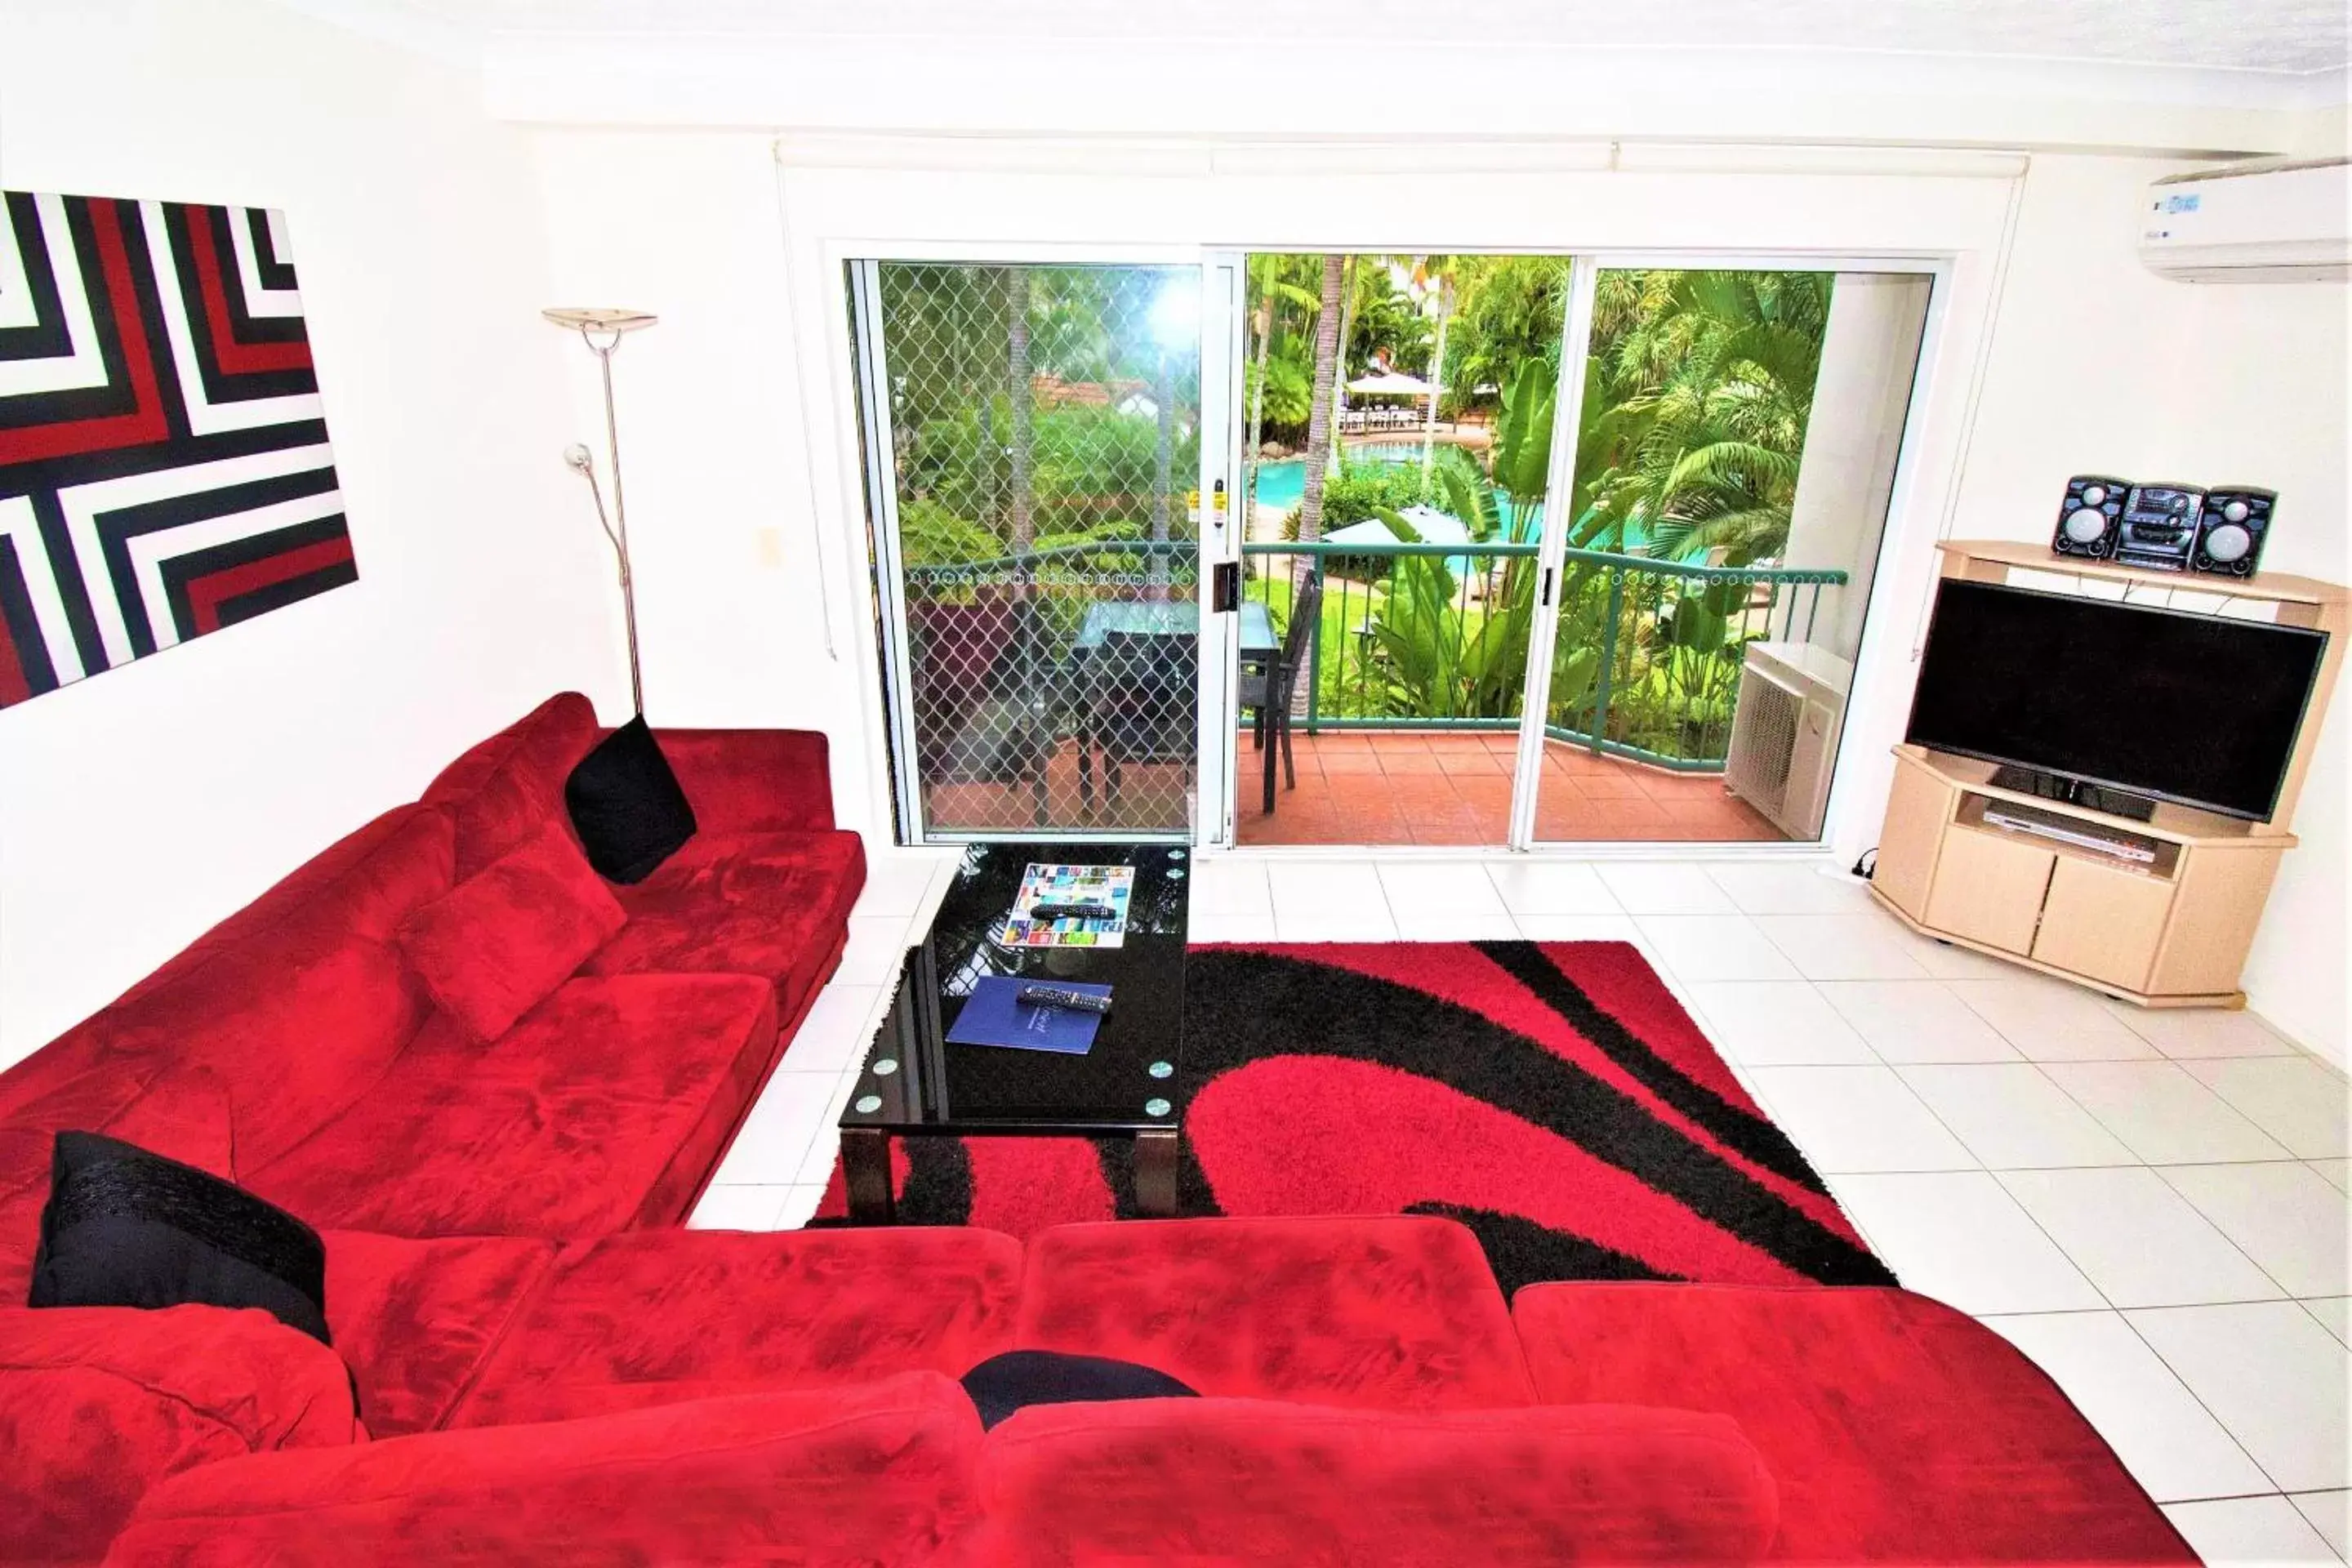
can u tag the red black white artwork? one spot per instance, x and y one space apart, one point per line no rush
164 461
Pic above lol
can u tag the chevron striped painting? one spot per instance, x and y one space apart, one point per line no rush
163 460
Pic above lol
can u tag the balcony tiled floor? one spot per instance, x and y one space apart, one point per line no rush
1377 787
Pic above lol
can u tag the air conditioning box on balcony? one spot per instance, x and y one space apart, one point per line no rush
1784 732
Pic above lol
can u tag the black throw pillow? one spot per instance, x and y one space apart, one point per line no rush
1004 1383
127 1229
627 805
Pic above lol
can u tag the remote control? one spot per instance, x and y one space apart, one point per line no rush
1072 913
1071 1001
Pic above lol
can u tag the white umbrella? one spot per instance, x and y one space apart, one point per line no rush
1391 384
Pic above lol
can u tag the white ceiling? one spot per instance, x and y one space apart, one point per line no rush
2296 36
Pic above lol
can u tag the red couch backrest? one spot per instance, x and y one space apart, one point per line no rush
880 1473
499 791
296 1004
1238 1481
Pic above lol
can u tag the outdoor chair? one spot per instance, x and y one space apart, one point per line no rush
1140 689
986 697
1267 694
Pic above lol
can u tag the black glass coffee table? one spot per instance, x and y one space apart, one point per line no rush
915 1083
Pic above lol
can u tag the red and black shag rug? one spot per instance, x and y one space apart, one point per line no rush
1551 1095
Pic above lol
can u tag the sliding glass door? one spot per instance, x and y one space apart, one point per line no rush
1034 462
1589 546
1735 455
1400 412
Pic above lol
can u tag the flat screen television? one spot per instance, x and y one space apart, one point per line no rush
2160 704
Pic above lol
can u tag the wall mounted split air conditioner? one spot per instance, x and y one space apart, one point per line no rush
2271 222
1784 732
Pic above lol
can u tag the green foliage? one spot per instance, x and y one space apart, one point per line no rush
1508 310
1460 487
1089 466
1696 397
1362 489
931 535
1288 384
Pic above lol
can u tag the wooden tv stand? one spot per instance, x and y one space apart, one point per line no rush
2169 931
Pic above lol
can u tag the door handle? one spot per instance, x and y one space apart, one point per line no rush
1224 587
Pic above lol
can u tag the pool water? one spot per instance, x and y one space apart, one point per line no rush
1282 485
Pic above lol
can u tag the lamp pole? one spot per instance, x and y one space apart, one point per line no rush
602 330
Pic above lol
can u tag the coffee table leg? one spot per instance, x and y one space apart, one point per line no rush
1155 1175
866 1171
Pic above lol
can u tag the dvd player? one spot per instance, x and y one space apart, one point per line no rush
2024 819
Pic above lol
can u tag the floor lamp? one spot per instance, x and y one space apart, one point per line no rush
602 330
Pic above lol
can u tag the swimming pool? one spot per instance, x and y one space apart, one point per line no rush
1281 485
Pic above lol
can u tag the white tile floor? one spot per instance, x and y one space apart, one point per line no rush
2152 1205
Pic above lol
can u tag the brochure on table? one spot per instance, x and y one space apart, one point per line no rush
995 1015
1044 885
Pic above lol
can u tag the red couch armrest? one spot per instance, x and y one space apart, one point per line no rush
752 781
878 1473
1243 1480
98 1404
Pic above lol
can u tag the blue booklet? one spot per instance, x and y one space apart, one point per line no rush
995 1015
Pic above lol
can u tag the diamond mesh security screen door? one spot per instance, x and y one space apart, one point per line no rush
1032 449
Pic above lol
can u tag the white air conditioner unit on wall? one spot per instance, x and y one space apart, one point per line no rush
1784 732
2269 222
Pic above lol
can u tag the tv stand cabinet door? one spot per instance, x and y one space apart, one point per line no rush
1989 887
1918 811
2102 922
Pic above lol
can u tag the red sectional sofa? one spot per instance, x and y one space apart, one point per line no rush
543 1368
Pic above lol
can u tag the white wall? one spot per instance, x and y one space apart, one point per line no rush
139 807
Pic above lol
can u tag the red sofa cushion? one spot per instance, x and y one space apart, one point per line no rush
753 780
1396 1312
97 1404
604 1108
495 945
877 1474
499 792
415 1320
661 1316
1898 1429
773 904
1220 1480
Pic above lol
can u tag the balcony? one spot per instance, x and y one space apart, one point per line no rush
1054 691
1407 718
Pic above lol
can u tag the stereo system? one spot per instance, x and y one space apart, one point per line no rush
2166 527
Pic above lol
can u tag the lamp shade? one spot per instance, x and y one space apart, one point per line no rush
580 318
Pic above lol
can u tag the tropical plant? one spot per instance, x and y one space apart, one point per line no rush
1700 386
1278 388
1508 310
1319 419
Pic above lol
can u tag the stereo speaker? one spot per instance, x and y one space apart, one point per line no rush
2089 518
2229 535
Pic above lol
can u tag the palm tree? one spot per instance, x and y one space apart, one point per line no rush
1023 527
1318 415
1703 385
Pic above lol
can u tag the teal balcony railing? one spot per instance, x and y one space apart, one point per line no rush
1645 663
